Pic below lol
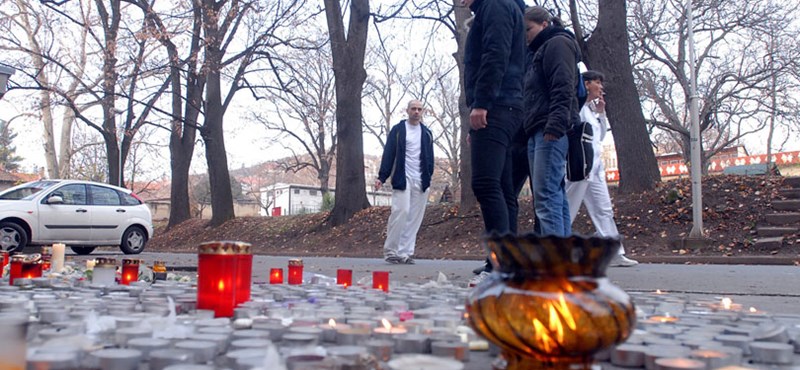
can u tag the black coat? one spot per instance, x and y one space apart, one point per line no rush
393 161
494 57
551 102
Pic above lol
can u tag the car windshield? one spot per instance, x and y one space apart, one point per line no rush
26 191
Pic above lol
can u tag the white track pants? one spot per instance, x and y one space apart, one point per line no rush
408 209
594 194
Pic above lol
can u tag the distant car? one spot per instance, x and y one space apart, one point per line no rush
80 214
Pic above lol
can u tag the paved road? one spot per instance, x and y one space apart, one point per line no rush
770 288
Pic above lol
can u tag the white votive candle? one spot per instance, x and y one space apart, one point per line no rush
57 259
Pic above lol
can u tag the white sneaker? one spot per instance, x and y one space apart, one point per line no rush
477 279
621 261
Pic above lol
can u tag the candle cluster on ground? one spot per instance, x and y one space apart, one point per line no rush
338 324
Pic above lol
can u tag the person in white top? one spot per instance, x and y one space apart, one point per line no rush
408 159
593 191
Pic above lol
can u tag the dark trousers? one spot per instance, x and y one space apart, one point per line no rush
492 169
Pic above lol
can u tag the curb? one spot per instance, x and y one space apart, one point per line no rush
720 260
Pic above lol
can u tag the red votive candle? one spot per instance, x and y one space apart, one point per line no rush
344 277
244 272
295 271
31 269
47 255
15 271
276 276
217 277
380 280
130 270
4 255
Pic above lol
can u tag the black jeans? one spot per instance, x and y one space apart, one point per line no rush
492 169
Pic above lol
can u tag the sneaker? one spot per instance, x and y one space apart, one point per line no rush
621 261
395 260
480 269
409 261
478 278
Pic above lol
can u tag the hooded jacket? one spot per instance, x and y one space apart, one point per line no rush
393 161
494 57
551 102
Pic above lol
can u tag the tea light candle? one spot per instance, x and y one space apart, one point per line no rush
629 355
276 276
412 343
52 360
344 277
147 345
329 330
455 350
772 353
713 358
122 336
738 341
299 340
382 349
679 363
423 362
203 351
57 260
116 358
160 359
351 336
388 331
654 353
250 343
380 280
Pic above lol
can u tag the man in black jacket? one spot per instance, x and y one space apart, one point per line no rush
494 61
408 159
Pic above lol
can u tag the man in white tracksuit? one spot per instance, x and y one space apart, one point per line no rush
593 191
408 159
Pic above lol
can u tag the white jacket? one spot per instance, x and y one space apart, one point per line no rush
599 123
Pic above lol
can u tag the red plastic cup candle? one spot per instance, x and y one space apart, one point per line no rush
244 272
5 256
217 273
275 276
295 271
130 270
344 277
15 271
380 280
32 266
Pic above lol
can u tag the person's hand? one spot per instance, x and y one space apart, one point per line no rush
550 137
600 105
378 185
477 118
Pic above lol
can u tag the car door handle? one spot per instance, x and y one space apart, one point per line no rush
120 210
80 210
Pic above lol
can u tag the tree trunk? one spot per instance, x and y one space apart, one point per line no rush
348 69
468 200
638 168
218 176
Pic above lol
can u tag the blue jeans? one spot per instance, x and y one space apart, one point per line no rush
491 168
548 160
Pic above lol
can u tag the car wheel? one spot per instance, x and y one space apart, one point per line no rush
82 250
12 237
133 240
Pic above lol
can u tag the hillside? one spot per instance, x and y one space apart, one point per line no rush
649 221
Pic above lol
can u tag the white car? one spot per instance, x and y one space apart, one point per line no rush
80 214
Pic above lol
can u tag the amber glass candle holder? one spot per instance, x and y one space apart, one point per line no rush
344 277
548 303
275 276
15 271
219 277
159 270
130 270
295 271
380 280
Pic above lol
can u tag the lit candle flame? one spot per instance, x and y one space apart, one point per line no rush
332 323
221 285
726 303
753 310
658 291
386 324
542 336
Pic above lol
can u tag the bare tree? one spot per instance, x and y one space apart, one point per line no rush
304 112
733 77
385 87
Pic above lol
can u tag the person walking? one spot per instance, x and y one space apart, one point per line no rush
408 159
593 191
494 60
551 107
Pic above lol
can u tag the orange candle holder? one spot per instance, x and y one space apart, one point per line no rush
219 279
295 271
344 277
380 280
276 276
130 270
244 272
15 271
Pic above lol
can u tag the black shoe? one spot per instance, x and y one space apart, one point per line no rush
395 260
478 270
409 261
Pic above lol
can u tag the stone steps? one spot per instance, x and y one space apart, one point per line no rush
783 219
789 193
772 242
771 231
792 205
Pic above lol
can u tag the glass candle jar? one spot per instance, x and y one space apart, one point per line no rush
295 271
344 277
47 256
130 270
275 276
380 280
216 276
32 266
159 270
5 256
244 272
105 271
15 271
